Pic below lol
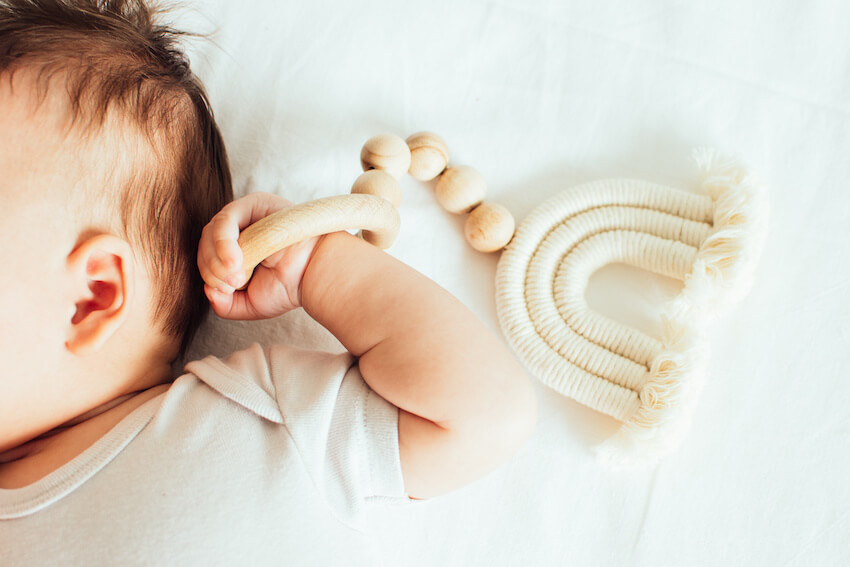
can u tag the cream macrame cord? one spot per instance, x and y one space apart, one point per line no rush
708 241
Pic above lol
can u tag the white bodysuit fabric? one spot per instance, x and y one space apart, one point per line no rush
259 458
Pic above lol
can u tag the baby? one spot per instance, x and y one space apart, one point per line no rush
118 233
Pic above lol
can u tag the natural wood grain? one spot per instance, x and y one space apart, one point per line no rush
429 155
489 227
387 152
460 188
376 216
378 183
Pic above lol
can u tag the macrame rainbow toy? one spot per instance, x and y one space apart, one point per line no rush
710 241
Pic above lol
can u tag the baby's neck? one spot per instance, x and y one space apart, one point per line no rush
32 461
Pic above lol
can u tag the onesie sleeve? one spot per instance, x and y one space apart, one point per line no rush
345 434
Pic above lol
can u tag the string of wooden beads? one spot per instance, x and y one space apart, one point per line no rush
459 189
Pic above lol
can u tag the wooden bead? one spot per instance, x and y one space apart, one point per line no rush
387 152
380 183
429 155
489 227
460 188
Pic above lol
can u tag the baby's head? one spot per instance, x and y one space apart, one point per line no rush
110 166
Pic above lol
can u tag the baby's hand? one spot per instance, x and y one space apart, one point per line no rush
275 287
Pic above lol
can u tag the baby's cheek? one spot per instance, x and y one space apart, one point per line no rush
31 329
35 300
35 304
32 339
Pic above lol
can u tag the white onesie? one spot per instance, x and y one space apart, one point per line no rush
266 457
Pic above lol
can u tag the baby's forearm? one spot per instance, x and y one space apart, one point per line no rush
419 347
422 350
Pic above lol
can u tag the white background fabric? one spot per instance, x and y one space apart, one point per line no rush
540 96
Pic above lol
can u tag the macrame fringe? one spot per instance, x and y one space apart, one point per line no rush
721 275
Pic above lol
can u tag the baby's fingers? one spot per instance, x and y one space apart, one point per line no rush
230 305
212 268
219 256
213 274
224 233
219 251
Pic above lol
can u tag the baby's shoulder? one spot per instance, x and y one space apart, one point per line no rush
276 381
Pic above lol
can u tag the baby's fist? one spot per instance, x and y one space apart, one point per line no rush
275 286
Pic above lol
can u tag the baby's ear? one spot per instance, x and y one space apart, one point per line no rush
101 271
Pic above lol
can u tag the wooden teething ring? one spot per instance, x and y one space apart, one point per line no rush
377 218
374 196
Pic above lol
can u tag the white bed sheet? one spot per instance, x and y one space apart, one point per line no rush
540 96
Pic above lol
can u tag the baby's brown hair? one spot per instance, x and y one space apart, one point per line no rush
113 56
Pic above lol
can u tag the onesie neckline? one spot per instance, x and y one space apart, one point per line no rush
19 502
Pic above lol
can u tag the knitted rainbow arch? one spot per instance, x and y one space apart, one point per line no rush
710 241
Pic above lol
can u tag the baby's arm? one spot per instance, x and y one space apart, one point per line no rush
466 404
